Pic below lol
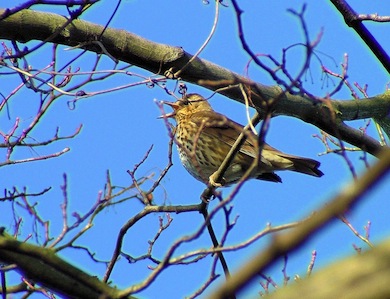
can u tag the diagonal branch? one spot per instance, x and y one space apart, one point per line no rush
160 58
353 20
43 265
284 243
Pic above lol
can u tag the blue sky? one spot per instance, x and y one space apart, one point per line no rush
119 127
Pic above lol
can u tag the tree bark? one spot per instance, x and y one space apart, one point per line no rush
363 276
43 266
162 59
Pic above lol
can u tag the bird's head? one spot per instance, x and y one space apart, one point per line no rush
187 106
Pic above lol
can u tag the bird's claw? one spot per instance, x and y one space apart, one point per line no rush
212 181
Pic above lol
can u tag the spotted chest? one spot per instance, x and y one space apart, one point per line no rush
202 154
196 152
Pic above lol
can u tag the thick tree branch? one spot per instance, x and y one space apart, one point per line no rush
368 273
44 266
159 58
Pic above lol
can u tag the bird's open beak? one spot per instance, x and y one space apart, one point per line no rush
173 113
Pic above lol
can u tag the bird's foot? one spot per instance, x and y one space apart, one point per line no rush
212 181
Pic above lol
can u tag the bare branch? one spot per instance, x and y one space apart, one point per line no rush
147 210
13 194
352 20
373 17
57 154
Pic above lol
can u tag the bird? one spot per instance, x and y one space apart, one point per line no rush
204 137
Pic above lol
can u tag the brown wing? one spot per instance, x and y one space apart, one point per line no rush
227 130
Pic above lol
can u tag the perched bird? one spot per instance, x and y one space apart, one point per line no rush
204 137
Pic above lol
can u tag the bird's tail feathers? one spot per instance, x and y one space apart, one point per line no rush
306 165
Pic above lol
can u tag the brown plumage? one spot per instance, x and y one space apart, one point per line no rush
204 137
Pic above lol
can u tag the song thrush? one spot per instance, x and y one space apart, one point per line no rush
204 137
